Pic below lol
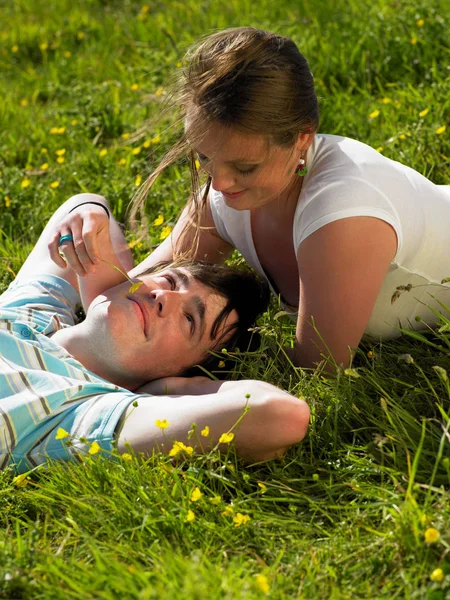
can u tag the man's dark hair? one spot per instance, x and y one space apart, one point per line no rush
245 291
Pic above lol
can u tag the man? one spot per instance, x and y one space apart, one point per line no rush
85 378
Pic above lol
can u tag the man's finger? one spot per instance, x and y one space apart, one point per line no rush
53 248
90 237
67 247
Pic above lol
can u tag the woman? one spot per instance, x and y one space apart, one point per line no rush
354 243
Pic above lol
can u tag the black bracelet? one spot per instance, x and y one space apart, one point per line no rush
91 202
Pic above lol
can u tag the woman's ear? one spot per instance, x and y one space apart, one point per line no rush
304 141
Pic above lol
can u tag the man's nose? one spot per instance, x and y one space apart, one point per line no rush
166 301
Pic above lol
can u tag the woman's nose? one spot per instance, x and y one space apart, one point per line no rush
222 179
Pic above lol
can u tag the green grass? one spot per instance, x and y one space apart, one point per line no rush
342 515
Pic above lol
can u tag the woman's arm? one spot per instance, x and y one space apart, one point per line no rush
273 419
212 248
342 267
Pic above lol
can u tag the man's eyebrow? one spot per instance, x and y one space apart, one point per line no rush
236 160
181 276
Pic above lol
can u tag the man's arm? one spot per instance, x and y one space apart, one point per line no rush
273 421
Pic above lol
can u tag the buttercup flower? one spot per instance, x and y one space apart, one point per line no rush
103 152
196 494
126 456
54 185
424 112
180 447
240 519
205 431
226 438
431 535
162 424
156 139
61 434
21 480
147 144
165 232
60 160
413 40
136 151
437 575
374 114
189 517
95 448
44 167
138 181
263 583
263 487
25 183
134 87
221 364
158 221
420 22
441 129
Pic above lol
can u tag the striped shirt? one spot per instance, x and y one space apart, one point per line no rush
42 387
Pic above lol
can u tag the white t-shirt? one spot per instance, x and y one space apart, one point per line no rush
347 179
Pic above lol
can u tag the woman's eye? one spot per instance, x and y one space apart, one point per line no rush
246 172
191 322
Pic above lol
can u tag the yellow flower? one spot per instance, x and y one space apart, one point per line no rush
95 448
122 162
134 87
205 431
180 447
424 112
21 480
145 9
15 49
263 487
226 438
197 164
60 152
196 494
147 144
24 102
134 288
158 221
138 181
7 201
386 101
61 434
159 91
44 150
380 149
413 40
215 500
240 519
44 167
125 136
228 511
370 354
60 160
80 35
103 152
263 583
221 364
43 46
441 129
163 424
67 54
179 64
402 136
165 232
60 130
437 575
136 151
25 183
431 535
54 184
420 22
126 456
374 114
189 517
156 139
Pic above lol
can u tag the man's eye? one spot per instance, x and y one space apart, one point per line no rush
191 322
171 281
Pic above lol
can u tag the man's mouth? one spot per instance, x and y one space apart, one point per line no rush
141 312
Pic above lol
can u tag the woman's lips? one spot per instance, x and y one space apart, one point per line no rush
235 195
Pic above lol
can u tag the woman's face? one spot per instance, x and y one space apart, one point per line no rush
248 170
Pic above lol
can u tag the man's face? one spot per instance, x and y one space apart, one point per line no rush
159 330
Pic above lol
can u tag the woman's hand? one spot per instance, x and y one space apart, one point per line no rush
89 225
176 386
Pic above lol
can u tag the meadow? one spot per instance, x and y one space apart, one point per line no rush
360 509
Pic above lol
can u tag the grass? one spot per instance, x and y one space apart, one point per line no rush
342 515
